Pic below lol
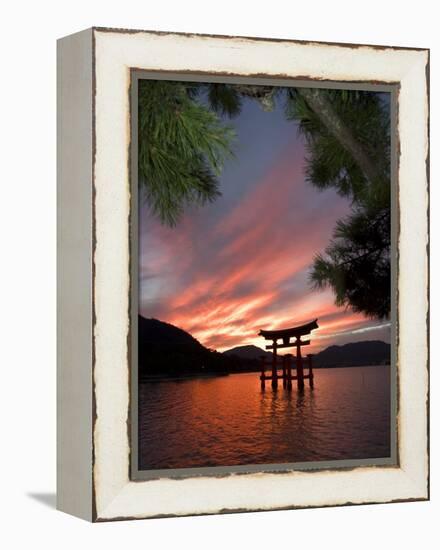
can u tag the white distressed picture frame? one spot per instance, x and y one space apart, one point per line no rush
94 68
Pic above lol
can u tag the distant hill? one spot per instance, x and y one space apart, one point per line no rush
247 352
154 334
166 350
370 352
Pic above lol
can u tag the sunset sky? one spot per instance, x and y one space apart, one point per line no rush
241 264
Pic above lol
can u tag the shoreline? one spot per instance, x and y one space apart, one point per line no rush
160 378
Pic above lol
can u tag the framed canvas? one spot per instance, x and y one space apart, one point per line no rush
242 274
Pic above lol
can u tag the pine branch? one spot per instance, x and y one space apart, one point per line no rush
182 148
324 110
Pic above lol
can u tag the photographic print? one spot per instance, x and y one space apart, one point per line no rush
264 328
243 285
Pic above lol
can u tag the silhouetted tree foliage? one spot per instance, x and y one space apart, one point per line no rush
182 147
347 137
184 140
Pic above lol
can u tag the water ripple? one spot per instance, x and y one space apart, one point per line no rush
228 421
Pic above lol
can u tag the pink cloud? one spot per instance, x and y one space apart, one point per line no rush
225 280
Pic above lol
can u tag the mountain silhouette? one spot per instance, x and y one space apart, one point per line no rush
247 352
369 352
155 334
165 350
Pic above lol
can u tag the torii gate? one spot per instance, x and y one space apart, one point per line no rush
285 335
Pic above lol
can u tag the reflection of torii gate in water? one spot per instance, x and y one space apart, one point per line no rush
286 360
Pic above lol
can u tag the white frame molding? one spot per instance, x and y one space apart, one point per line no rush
94 309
